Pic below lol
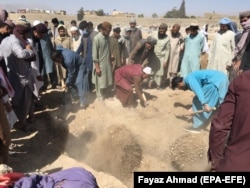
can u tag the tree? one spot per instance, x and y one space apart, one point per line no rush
141 16
100 12
80 14
154 15
174 13
182 10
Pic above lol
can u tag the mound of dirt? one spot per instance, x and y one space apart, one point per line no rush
187 151
111 141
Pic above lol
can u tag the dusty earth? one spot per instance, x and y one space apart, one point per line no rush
111 141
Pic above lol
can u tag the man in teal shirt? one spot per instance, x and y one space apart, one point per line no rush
210 88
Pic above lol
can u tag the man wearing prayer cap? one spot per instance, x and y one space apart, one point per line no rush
135 34
102 75
125 78
76 37
194 44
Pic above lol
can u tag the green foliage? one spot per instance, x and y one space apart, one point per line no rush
141 16
100 12
80 14
177 13
154 15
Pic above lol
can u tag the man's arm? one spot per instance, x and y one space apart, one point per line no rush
138 90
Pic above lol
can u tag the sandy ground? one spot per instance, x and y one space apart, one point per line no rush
111 141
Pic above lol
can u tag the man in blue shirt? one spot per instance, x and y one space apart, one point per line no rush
210 88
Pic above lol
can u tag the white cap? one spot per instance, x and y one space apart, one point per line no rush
36 22
147 70
74 28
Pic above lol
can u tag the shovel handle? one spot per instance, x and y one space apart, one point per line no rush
199 111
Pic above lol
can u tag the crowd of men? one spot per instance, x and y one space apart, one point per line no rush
113 62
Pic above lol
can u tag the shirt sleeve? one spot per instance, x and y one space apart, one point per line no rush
196 87
220 127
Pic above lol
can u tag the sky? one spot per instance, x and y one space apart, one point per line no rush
145 7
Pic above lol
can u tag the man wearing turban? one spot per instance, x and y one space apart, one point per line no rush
222 47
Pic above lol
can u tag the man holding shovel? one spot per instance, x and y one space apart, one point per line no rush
210 88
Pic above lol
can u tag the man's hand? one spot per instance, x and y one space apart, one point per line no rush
206 108
28 47
98 71
144 103
236 65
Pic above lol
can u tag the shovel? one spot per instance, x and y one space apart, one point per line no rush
198 111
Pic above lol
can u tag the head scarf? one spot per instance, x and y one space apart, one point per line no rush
228 22
10 23
240 45
22 28
40 28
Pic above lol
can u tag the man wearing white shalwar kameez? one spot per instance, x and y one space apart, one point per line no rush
222 47
161 56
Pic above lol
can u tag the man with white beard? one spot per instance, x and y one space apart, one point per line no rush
76 37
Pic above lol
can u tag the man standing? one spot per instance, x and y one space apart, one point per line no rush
222 47
177 46
229 140
76 38
136 34
116 49
194 43
102 72
19 72
210 88
161 56
241 59
127 76
85 49
54 32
